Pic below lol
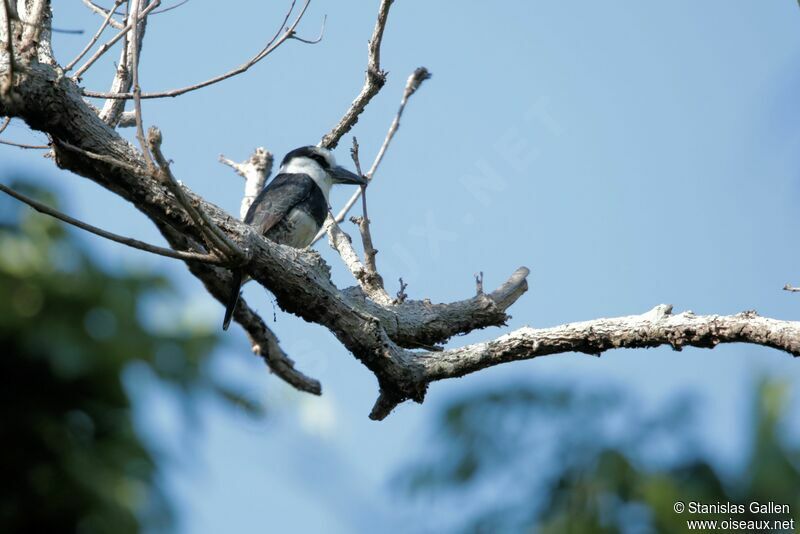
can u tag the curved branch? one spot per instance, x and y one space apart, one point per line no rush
103 12
23 145
215 239
128 241
652 329
267 50
264 342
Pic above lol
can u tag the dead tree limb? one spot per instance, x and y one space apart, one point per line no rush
397 341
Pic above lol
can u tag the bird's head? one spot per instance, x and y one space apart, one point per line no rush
319 164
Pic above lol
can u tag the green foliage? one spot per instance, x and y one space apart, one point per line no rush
71 459
553 461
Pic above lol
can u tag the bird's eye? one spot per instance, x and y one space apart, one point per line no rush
319 159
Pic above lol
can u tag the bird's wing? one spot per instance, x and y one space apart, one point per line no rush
276 200
271 205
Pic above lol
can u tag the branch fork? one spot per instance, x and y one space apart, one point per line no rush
398 339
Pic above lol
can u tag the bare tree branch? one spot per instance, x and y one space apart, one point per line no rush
342 243
401 293
135 170
5 124
94 38
654 328
103 12
116 24
111 42
23 145
255 171
385 336
412 84
113 111
128 241
214 237
374 81
264 342
318 38
170 8
137 90
371 279
267 50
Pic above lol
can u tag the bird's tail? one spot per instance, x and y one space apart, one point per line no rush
236 285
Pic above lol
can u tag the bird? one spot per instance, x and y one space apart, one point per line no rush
291 209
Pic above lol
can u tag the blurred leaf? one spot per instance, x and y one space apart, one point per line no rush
72 460
564 462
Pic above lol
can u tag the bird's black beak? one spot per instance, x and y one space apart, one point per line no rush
340 175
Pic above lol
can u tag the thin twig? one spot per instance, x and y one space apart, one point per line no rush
363 225
138 171
170 8
366 274
355 156
23 145
274 43
412 84
215 238
375 79
96 36
68 32
6 122
137 90
103 12
318 39
128 241
111 42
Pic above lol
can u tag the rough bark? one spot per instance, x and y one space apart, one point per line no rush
386 336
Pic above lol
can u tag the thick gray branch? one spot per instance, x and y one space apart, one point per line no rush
300 280
381 336
652 329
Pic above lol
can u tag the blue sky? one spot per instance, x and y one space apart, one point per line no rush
629 153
